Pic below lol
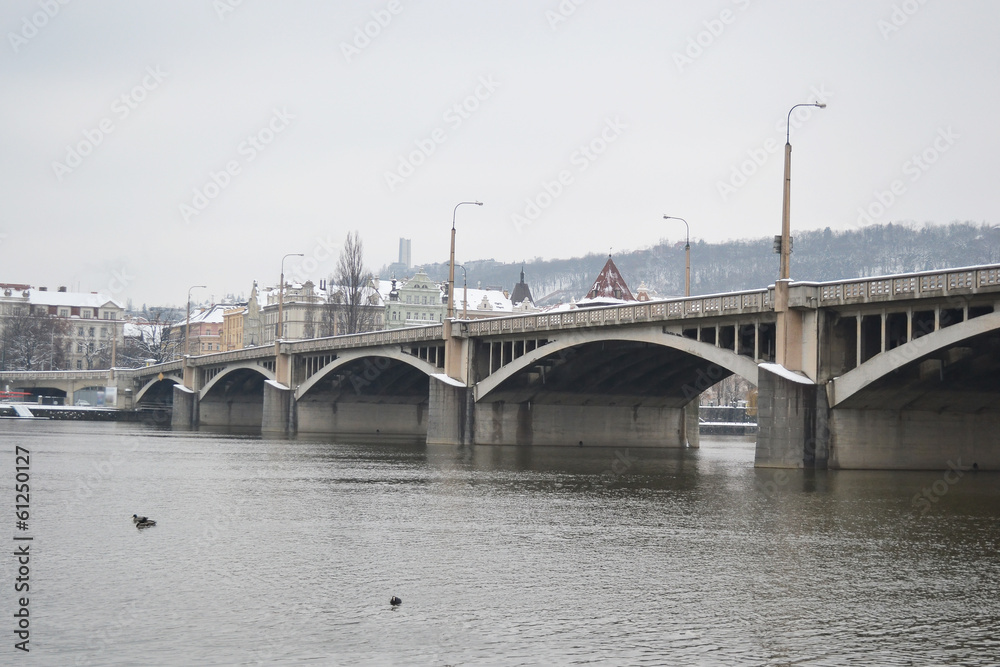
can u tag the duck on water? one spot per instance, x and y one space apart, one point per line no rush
142 521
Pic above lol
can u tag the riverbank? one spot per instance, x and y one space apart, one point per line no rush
69 412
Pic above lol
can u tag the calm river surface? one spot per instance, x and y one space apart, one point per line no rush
287 552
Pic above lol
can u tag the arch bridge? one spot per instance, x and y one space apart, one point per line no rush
897 371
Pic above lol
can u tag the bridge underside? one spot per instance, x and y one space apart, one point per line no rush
236 401
367 398
941 408
607 393
159 395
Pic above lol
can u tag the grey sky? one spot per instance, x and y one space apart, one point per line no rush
682 106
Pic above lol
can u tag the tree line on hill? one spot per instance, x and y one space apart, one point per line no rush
817 255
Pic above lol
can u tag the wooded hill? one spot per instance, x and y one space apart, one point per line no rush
750 263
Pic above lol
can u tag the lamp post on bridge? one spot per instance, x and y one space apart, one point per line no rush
687 253
786 234
278 328
187 325
465 292
451 263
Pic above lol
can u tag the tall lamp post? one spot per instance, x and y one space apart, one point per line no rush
786 225
278 328
687 253
451 263
465 292
187 325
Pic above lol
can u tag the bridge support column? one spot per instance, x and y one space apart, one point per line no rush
450 413
792 415
501 423
279 409
692 424
913 440
185 412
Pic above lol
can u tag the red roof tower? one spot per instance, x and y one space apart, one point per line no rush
610 284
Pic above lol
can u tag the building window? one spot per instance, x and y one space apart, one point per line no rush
79 364
90 332
64 312
409 299
85 313
104 332
425 299
79 331
79 348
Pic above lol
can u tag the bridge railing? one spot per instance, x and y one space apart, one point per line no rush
57 375
730 303
247 353
370 339
923 284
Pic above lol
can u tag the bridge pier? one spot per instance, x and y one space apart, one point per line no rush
502 423
792 414
279 409
913 440
450 413
185 411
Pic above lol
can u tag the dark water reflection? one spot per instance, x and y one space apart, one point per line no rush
281 552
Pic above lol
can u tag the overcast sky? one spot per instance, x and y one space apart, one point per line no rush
151 146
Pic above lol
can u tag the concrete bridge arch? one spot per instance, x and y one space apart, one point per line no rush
349 357
852 384
566 341
233 368
139 395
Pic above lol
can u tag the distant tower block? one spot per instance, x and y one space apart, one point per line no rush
404 252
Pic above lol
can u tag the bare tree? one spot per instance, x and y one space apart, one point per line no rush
352 306
152 342
33 342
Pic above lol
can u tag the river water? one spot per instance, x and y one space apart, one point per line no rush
287 552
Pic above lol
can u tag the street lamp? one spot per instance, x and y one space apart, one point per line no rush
465 292
687 253
451 264
786 228
187 325
278 331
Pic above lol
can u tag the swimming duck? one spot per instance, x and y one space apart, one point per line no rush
395 601
142 521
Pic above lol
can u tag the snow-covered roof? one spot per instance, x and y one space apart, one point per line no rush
211 315
71 299
494 300
610 283
143 330
292 291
